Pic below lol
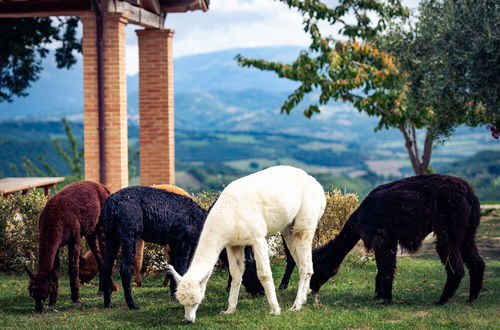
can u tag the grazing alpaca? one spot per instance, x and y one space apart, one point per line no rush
156 216
404 212
140 245
70 214
280 198
88 264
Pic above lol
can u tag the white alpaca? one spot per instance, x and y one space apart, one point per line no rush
280 198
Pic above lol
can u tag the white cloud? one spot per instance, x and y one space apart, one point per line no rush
231 24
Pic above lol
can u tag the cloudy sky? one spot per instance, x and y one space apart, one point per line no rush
231 24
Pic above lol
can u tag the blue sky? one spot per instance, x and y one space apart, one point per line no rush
230 24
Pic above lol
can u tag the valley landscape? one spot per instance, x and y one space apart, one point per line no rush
228 123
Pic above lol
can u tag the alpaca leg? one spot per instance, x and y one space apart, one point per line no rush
450 257
290 265
475 264
73 265
236 259
260 250
55 280
250 280
93 247
385 256
126 264
166 249
112 247
139 255
300 245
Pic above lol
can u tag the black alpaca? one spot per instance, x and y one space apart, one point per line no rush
404 212
156 216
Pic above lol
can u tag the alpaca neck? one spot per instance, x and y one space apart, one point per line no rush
340 246
206 256
47 251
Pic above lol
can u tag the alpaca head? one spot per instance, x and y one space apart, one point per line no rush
189 293
88 268
323 270
320 277
39 288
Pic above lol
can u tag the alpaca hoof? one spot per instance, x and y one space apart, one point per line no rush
76 301
276 311
440 303
226 312
295 308
316 301
110 305
385 302
134 308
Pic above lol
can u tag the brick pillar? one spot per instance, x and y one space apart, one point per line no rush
115 91
156 107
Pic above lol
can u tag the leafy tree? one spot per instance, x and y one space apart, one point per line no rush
25 42
413 82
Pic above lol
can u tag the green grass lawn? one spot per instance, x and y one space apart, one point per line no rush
345 300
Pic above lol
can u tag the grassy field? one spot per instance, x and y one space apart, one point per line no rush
345 301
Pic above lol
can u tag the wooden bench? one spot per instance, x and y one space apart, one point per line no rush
12 185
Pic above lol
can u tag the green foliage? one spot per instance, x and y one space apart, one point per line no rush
133 160
451 64
74 159
341 70
482 171
338 209
25 41
19 229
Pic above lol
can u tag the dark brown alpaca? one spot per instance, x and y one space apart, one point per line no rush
403 213
70 214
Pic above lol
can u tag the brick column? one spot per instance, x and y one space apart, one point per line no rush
156 107
115 91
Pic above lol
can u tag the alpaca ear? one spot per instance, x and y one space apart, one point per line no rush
171 271
205 279
30 274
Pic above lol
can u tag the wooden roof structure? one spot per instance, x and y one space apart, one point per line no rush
12 185
147 13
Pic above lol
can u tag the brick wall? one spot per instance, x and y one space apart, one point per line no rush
156 107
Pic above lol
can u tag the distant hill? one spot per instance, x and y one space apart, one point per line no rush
60 92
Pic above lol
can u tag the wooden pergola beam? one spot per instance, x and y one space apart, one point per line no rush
137 15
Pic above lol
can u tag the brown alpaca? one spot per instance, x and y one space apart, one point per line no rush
88 263
69 215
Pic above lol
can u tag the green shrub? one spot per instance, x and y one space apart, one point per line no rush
19 229
338 209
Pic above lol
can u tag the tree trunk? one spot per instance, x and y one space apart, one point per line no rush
419 164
